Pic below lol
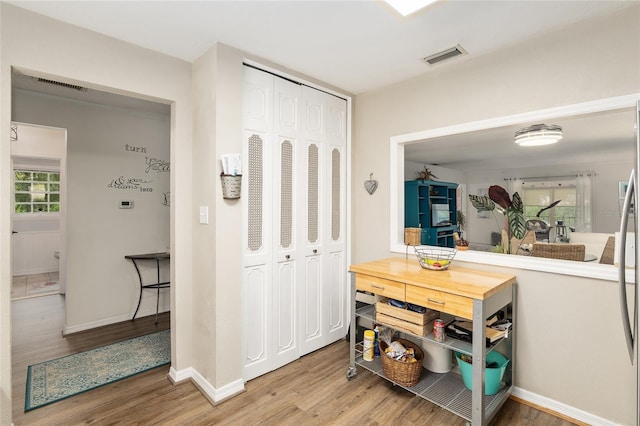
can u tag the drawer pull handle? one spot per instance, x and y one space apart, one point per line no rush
437 302
379 287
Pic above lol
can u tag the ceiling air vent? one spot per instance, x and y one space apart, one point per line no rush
452 52
59 83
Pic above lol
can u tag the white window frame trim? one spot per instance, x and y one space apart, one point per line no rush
396 178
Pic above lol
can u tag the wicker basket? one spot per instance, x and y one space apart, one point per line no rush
402 373
412 236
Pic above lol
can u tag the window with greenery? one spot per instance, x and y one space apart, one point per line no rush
539 195
36 191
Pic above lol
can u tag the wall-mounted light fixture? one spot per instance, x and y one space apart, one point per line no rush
538 134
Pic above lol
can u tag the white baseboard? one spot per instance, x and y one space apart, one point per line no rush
35 271
108 321
180 376
561 408
209 391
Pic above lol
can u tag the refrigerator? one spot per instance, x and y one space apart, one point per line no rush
627 259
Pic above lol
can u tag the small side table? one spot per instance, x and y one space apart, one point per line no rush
158 257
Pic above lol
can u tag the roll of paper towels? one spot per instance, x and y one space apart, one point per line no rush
437 359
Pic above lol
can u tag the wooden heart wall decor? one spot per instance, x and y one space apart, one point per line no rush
371 185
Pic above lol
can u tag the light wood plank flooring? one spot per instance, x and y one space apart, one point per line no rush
310 391
35 285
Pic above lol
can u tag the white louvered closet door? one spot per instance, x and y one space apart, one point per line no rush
294 264
323 284
285 224
257 219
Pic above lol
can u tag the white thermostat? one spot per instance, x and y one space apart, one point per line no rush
125 204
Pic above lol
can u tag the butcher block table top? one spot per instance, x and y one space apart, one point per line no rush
465 282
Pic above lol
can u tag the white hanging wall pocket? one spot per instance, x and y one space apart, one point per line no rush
231 176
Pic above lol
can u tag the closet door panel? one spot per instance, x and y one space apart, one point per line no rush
285 224
257 277
257 100
257 299
336 295
336 237
312 292
312 308
314 117
285 184
337 121
284 310
256 234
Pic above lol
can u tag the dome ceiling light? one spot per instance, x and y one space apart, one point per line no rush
538 135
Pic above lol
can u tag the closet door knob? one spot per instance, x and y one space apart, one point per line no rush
315 251
287 257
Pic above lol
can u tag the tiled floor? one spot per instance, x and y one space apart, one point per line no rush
36 285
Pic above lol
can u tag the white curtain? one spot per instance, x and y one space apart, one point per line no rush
584 198
514 185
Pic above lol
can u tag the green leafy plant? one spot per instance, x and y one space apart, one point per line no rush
462 220
511 207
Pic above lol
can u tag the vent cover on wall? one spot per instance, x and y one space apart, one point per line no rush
61 84
452 52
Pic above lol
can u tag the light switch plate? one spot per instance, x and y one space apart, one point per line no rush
204 215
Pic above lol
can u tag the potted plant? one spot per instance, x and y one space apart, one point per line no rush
511 207
462 220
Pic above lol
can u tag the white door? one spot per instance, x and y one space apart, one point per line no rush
257 214
285 221
295 195
270 258
323 284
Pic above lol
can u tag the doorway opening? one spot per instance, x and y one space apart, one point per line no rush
117 148
38 157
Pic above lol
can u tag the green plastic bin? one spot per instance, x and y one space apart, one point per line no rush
492 376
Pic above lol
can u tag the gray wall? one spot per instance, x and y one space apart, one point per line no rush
102 287
590 61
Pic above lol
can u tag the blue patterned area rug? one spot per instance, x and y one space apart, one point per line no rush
61 378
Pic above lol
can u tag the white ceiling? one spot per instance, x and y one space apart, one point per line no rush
587 139
358 46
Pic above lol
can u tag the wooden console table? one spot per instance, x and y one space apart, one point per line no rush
459 292
158 257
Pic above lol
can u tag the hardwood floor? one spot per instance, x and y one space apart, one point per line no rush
311 391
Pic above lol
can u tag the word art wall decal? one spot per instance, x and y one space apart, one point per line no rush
156 165
132 148
130 183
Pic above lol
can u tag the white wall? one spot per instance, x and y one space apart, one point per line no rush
217 245
55 50
590 61
102 287
217 309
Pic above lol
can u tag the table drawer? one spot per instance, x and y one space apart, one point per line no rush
440 301
380 286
